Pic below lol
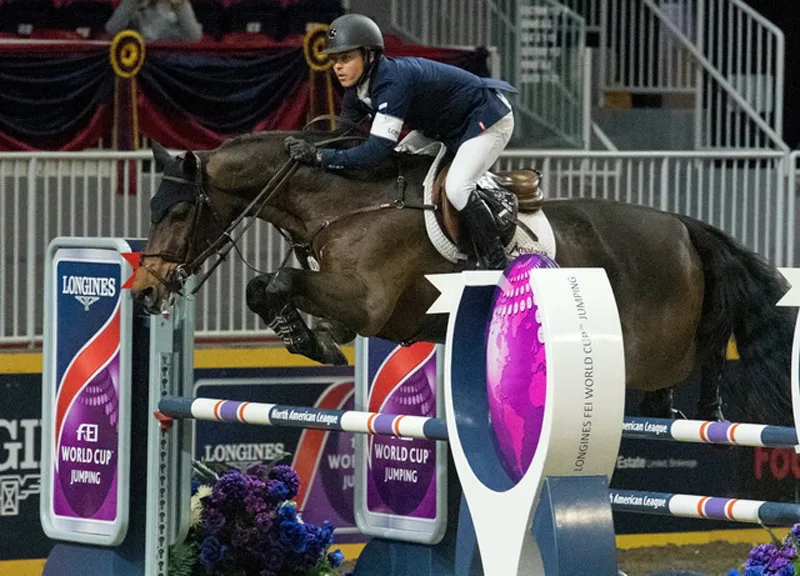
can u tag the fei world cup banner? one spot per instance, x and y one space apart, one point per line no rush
400 482
85 394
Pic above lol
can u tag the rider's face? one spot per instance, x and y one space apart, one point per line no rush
348 66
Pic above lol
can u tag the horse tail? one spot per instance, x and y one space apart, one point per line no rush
741 290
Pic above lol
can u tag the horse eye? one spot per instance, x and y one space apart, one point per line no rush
179 214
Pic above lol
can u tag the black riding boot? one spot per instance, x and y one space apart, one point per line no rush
490 251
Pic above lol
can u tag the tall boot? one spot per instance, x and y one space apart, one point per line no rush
488 247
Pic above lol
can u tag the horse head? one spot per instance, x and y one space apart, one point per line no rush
203 196
184 221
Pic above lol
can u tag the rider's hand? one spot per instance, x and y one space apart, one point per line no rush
302 151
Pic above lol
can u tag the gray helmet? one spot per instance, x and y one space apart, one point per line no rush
351 32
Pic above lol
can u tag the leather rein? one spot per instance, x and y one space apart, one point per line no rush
225 242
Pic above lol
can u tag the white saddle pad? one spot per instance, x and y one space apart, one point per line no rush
521 243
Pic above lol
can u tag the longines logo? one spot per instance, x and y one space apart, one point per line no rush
16 488
88 289
17 456
243 456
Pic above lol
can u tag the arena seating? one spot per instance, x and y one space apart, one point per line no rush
229 20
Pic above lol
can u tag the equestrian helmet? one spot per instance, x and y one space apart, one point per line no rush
351 32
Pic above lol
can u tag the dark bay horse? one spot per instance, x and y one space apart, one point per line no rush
682 287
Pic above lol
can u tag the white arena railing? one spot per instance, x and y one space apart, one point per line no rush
749 194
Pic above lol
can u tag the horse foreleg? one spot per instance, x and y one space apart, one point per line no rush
268 297
341 297
340 333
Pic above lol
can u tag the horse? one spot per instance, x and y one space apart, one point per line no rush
682 287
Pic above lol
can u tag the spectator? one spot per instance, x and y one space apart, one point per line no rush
156 20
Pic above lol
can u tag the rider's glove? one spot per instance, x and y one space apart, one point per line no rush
302 151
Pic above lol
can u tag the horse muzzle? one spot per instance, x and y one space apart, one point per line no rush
154 287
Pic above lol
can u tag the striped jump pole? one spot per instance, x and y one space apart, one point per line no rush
708 507
636 501
693 431
708 432
373 423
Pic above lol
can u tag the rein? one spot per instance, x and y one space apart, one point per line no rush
225 242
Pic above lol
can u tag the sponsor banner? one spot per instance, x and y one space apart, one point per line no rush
86 384
401 483
401 472
20 472
322 458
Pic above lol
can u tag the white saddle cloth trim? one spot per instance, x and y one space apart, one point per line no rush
521 243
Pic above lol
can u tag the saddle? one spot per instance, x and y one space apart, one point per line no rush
506 194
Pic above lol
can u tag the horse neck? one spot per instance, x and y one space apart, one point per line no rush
310 196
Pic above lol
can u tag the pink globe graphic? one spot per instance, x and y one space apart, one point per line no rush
516 367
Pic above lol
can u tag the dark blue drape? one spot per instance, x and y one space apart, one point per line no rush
49 100
229 94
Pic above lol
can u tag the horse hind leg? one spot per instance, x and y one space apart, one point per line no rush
268 297
709 404
657 404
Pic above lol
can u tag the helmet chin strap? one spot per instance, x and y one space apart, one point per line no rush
368 64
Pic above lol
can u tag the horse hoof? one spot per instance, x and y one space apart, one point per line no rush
332 354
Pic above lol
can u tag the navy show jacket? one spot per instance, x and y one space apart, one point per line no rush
442 101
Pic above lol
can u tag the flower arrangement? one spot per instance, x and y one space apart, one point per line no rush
774 559
245 523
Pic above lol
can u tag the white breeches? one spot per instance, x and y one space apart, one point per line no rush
474 157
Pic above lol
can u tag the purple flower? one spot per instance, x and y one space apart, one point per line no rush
212 552
781 563
761 555
293 535
792 537
336 558
796 531
230 488
242 536
254 501
264 521
287 513
318 540
767 560
214 520
288 476
277 491
249 532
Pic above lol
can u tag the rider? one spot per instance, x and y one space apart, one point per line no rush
468 113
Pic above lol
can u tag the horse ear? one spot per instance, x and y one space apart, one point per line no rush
191 164
161 156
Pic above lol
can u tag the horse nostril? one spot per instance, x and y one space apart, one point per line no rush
145 295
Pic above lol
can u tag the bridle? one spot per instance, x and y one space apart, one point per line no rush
226 242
